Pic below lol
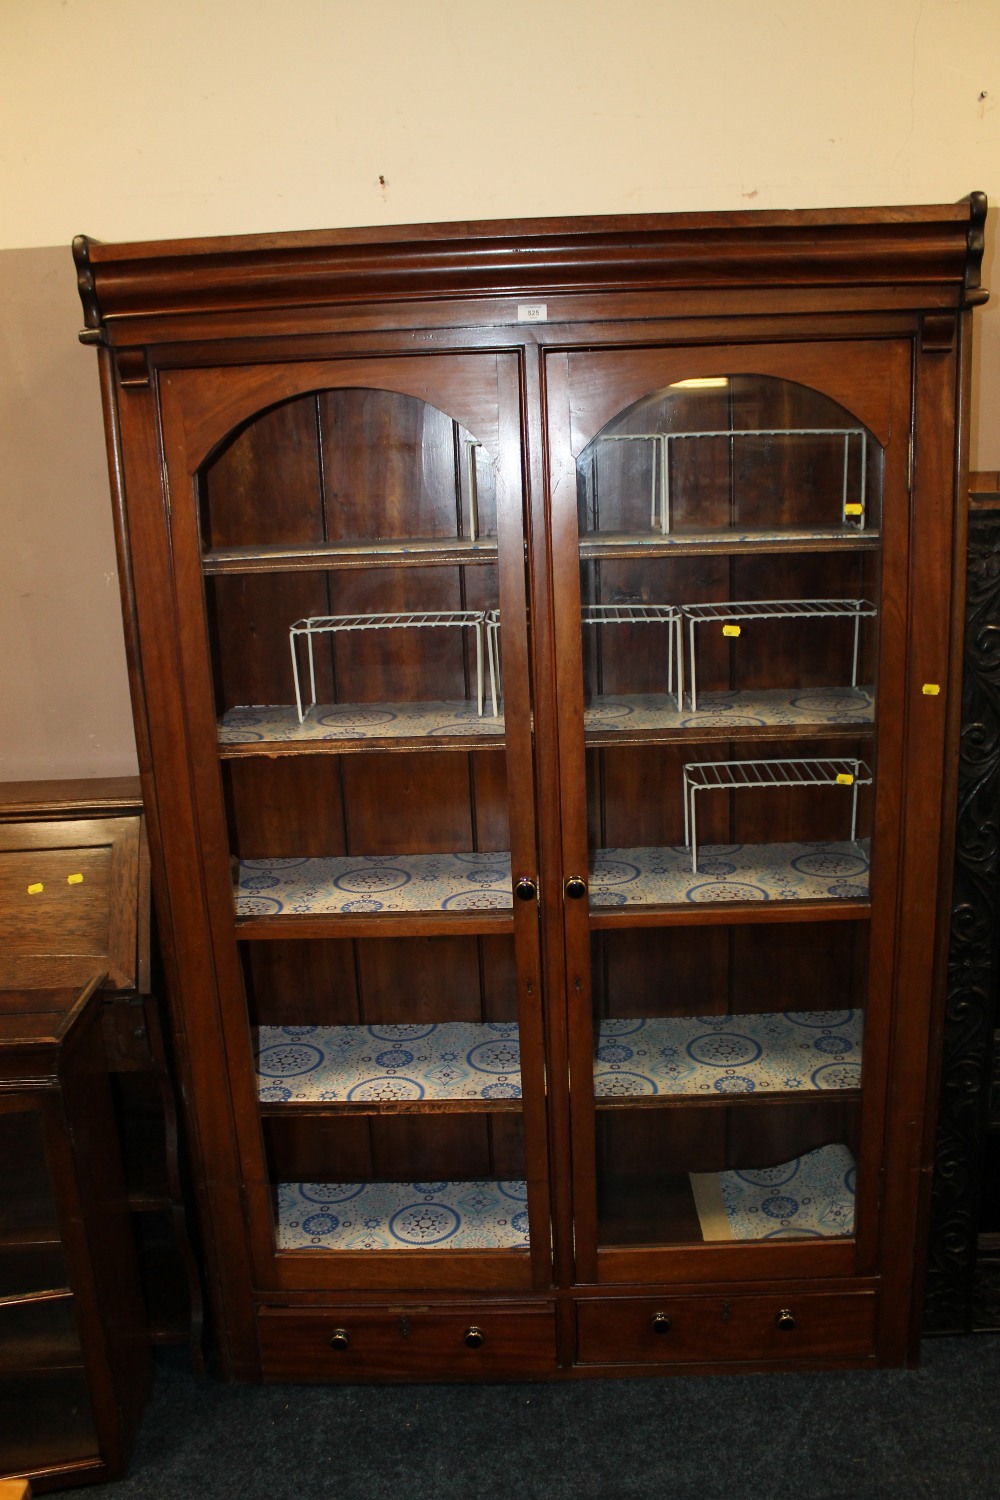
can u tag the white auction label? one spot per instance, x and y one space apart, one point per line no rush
532 312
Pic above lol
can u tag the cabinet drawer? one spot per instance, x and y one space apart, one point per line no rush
684 1330
406 1342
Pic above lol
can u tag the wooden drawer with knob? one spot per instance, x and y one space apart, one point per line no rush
717 1329
454 1342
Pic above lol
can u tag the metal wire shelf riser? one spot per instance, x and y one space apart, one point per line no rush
769 774
660 510
478 621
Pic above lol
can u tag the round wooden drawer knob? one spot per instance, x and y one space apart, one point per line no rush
786 1320
339 1338
474 1337
659 1323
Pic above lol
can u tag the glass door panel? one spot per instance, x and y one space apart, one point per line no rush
730 540
414 1066
728 1061
359 548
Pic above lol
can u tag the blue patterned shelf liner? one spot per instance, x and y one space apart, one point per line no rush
402 1216
467 1060
812 708
480 1061
351 886
635 713
810 1197
701 1056
729 872
416 883
278 723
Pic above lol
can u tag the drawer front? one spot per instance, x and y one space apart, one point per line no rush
686 1330
406 1343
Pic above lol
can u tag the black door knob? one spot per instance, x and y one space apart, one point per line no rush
525 889
474 1337
659 1323
339 1338
785 1320
576 887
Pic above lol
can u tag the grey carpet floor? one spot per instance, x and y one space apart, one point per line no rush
933 1432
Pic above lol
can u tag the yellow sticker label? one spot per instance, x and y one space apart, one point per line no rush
33 890
844 778
730 630
854 510
931 689
74 880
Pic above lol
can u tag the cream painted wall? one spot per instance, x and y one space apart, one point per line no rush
140 119
64 706
151 118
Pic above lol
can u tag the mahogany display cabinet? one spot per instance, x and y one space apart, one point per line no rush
543 641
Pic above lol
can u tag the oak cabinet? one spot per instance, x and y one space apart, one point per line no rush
542 642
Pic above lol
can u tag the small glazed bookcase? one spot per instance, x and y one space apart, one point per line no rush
490 1073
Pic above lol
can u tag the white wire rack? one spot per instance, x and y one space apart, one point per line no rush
852 511
736 775
472 446
461 619
492 618
647 614
731 615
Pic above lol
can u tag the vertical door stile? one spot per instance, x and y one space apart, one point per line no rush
575 853
511 537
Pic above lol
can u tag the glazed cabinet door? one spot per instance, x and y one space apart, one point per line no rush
730 541
346 538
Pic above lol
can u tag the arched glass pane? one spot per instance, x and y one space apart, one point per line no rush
730 566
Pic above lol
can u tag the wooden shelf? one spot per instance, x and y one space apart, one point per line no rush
346 728
393 924
475 1066
417 552
654 1061
609 719
626 882
411 885
595 546
402 1216
454 1066
774 713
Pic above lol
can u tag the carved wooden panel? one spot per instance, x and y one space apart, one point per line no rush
968 1061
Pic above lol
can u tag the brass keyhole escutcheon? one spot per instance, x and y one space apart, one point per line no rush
474 1337
339 1338
575 887
659 1323
786 1320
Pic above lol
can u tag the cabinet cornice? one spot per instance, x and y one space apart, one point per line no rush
926 256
